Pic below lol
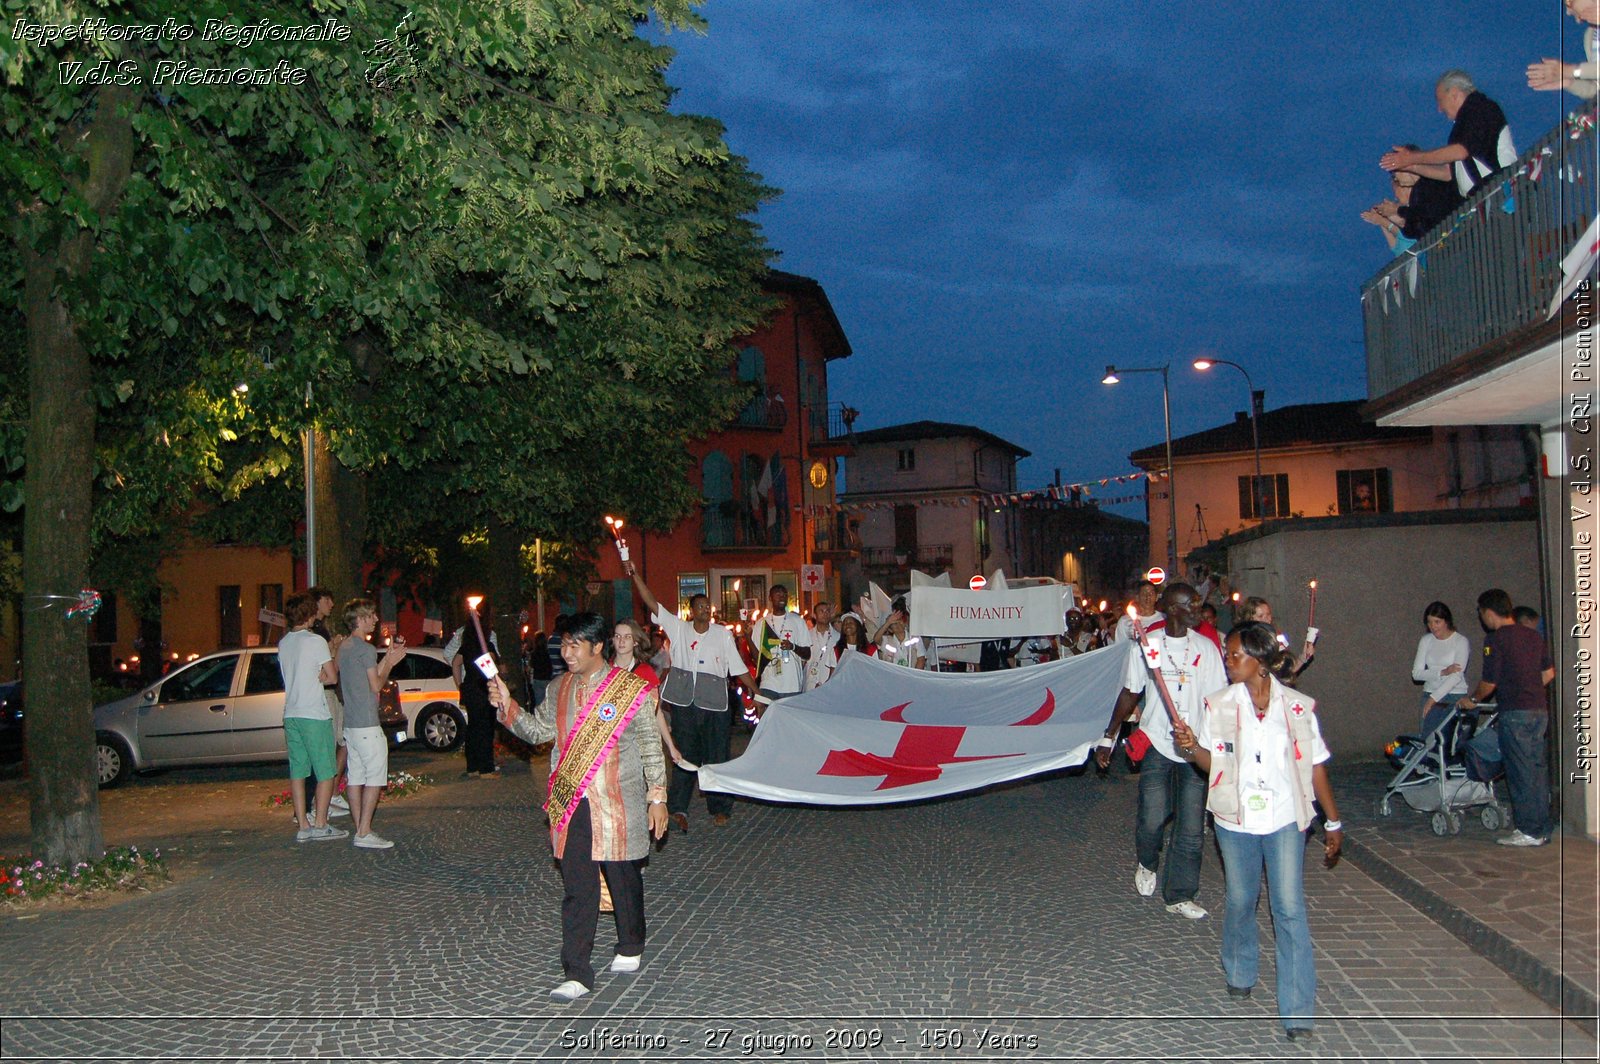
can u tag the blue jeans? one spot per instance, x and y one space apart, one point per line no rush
1284 855
1176 791
1522 745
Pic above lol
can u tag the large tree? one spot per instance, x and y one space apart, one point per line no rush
504 227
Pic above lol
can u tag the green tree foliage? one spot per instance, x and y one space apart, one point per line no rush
471 247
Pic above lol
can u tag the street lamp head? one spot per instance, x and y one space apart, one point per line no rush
1202 363
1111 376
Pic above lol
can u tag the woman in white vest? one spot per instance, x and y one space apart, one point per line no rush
1261 749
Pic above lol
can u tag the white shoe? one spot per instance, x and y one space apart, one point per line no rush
625 965
305 835
327 833
568 992
1187 909
372 841
338 802
1144 881
1518 838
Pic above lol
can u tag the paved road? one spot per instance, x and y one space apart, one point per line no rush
999 926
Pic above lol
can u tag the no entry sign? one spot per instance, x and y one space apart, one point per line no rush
978 583
1156 575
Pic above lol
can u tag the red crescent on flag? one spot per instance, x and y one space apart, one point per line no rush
895 714
1042 714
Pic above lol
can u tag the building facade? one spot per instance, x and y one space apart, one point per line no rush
914 499
1328 460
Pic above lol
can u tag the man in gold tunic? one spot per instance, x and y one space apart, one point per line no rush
608 793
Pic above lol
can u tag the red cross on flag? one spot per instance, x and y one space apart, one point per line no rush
878 733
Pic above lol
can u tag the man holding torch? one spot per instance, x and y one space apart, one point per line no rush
1173 669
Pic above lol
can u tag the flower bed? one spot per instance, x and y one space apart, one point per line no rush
122 868
400 785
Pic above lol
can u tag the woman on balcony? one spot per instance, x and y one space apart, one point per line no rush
1419 204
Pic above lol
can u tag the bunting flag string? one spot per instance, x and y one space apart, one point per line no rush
1048 497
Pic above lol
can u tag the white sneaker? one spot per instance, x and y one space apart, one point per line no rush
1518 838
338 802
305 834
327 833
568 992
1187 909
1144 881
372 841
624 965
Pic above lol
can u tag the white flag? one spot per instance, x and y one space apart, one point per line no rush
877 733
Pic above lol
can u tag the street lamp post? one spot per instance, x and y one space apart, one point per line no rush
1255 430
1112 377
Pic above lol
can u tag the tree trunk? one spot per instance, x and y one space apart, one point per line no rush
58 490
341 497
505 596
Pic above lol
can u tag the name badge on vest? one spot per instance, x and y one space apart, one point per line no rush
1255 808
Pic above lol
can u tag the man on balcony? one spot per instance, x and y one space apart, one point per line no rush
1480 141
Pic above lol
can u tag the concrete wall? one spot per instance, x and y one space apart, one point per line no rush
1372 585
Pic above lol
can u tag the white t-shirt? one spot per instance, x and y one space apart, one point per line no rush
1265 756
820 665
301 655
784 677
1192 667
1124 633
1434 656
713 651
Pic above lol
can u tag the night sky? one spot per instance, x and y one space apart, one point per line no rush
1001 199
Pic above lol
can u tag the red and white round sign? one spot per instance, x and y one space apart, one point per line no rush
978 583
1156 575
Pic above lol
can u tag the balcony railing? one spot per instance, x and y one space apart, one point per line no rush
931 557
1488 271
767 410
832 421
833 536
722 530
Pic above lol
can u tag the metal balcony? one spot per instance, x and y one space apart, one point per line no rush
1484 276
767 410
931 557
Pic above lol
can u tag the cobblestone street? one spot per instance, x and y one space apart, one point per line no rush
1001 925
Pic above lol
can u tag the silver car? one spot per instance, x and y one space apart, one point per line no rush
221 709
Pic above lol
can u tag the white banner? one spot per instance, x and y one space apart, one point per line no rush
992 614
878 733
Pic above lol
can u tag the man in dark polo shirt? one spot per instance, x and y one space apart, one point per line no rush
1516 669
1480 143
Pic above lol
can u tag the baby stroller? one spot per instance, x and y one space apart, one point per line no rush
1433 775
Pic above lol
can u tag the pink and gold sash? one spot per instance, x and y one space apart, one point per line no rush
590 741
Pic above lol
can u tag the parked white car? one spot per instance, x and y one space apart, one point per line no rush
422 687
224 708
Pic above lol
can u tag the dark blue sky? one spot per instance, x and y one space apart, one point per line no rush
1002 199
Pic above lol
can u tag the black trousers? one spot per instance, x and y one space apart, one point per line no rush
702 738
480 731
580 900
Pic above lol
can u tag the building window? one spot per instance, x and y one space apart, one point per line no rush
716 489
1364 491
1271 498
905 459
230 611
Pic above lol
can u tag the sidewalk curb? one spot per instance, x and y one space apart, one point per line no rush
1575 1004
